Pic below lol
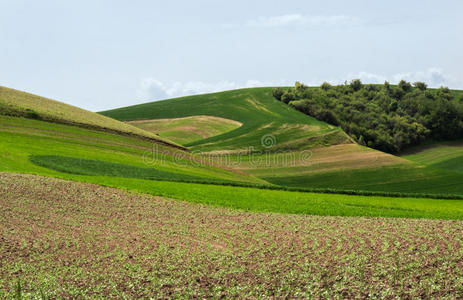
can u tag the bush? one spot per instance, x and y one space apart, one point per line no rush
288 97
31 114
277 93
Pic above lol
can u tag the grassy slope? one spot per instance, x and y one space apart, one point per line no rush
256 108
405 179
442 155
18 103
189 129
20 138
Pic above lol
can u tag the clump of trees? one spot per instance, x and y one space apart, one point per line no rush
385 117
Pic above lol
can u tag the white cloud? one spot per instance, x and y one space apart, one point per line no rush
434 77
154 89
301 20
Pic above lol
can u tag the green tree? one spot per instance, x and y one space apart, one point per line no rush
421 85
288 96
325 86
405 86
356 84
387 118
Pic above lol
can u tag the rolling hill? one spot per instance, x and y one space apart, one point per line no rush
48 137
22 104
135 163
116 222
302 151
443 155
261 115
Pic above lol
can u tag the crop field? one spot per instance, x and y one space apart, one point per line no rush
69 152
189 129
22 138
402 178
69 239
443 155
320 159
255 108
302 152
101 168
17 103
351 166
126 217
184 160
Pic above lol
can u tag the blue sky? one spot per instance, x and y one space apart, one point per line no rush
106 54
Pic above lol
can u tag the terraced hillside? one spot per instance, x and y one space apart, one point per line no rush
22 104
261 115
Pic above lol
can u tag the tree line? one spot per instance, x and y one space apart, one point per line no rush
385 117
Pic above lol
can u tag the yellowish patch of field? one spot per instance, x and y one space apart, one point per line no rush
321 159
188 129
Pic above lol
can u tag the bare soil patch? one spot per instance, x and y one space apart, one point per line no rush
70 239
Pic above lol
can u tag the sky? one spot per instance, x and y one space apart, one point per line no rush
106 54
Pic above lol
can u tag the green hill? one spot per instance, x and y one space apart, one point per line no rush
39 147
22 104
137 164
303 151
261 115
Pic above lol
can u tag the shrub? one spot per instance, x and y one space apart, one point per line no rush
277 93
31 114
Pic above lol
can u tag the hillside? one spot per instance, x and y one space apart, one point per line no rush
303 152
443 155
261 115
39 147
22 104
237 235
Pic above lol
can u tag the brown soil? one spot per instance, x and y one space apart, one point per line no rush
69 239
